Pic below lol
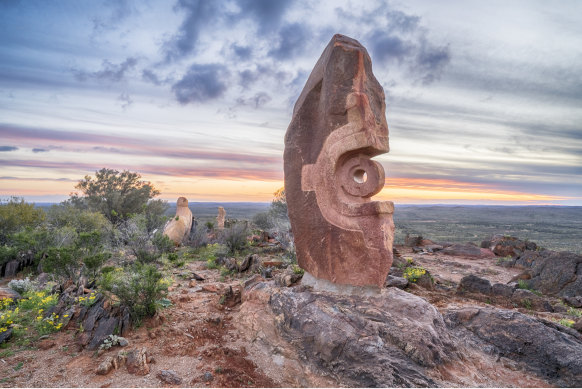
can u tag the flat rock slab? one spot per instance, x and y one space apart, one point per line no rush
551 351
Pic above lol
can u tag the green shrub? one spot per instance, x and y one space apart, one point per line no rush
62 262
15 215
137 288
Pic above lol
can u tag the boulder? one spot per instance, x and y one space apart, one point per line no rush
502 290
557 273
7 293
474 284
527 299
552 352
467 250
338 125
503 246
398 282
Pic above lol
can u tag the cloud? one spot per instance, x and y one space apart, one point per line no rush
242 52
292 39
201 83
256 101
109 72
267 13
8 148
199 14
119 10
40 151
125 99
151 77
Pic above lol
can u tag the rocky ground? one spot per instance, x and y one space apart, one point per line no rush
249 331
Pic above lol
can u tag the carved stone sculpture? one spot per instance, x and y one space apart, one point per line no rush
221 218
178 227
338 124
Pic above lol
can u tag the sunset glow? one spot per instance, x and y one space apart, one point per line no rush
480 110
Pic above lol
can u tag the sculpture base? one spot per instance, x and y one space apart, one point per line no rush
319 284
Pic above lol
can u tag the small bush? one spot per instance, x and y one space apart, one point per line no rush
566 322
137 288
235 237
263 220
23 286
574 312
198 236
62 262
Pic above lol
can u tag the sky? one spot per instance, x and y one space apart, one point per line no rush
484 99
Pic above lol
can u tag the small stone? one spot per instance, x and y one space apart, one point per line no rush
398 282
169 377
105 367
208 376
578 325
45 344
137 362
192 284
122 341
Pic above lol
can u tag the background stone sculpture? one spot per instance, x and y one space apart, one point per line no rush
221 218
338 124
179 226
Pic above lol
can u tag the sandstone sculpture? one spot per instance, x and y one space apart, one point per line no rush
338 124
178 227
221 218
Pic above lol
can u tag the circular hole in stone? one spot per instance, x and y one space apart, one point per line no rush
360 176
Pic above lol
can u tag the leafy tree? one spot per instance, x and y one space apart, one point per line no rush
16 215
279 205
117 195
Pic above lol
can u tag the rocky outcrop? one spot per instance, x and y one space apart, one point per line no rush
551 351
389 340
503 246
338 125
98 320
467 250
558 273
320 339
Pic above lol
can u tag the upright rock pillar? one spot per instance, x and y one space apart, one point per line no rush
220 219
179 227
338 124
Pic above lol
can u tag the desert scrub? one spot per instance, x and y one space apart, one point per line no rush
574 312
208 252
413 273
138 288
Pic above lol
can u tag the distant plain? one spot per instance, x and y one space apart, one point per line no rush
552 227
